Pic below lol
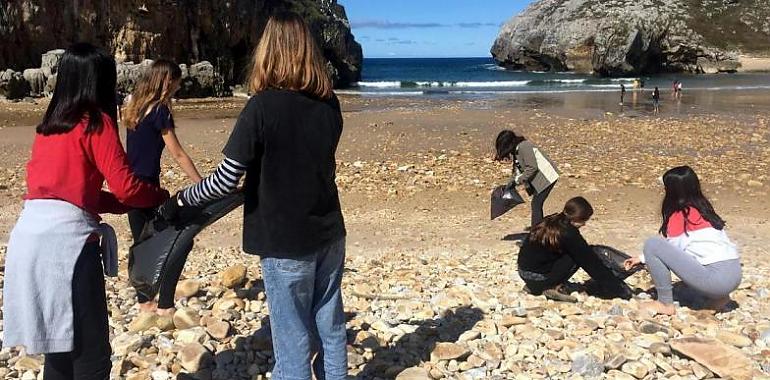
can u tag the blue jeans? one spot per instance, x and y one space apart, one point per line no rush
306 316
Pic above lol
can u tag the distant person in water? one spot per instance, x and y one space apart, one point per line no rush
622 93
555 250
674 89
693 245
679 90
656 100
532 169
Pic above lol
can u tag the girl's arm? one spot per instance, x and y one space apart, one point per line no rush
220 183
110 160
180 156
528 163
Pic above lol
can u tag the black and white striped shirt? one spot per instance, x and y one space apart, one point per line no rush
220 183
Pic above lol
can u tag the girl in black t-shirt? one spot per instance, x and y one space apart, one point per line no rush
555 250
150 126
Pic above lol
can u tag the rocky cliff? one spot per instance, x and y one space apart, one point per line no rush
621 37
188 31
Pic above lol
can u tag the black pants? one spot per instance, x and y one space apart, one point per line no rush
90 358
137 220
538 200
605 282
561 271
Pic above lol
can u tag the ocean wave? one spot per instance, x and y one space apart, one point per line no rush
437 84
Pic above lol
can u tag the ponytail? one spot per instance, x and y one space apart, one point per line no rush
548 232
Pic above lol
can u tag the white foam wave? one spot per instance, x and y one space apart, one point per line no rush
383 84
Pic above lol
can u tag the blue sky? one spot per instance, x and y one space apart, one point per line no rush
428 28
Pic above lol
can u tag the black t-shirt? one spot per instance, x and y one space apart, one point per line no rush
144 144
535 258
288 141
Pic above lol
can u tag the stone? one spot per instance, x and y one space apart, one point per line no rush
731 338
13 85
233 276
36 81
720 358
191 335
194 357
218 329
125 343
617 375
648 327
635 369
587 365
142 322
187 288
50 61
165 323
185 319
660 348
414 373
29 363
448 351
615 361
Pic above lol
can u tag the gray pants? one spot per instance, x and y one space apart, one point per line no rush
715 280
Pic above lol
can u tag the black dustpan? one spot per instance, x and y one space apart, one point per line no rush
503 199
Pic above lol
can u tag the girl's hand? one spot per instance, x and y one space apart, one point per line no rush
632 262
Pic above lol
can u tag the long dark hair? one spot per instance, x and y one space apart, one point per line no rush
682 192
85 86
506 143
548 232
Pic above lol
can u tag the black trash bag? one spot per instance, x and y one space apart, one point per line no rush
503 199
162 242
614 259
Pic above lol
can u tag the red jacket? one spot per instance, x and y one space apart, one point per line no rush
73 166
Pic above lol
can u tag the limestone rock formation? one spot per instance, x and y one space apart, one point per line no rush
223 33
620 37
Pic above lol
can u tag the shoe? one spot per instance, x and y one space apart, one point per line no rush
556 295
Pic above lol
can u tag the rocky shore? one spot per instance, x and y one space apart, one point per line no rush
624 37
431 290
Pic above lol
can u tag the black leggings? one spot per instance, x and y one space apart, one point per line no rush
137 220
561 271
538 200
90 358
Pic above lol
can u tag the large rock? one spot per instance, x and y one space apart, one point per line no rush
36 80
233 276
724 360
49 62
194 357
12 85
191 31
623 37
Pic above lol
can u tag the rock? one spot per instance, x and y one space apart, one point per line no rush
652 328
620 38
165 323
414 373
635 369
126 343
218 330
737 340
754 183
187 288
142 322
587 365
29 363
36 81
660 348
615 362
617 375
12 85
50 84
191 335
185 319
233 276
722 359
50 61
194 32
193 357
448 351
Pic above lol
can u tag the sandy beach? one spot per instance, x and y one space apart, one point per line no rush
431 286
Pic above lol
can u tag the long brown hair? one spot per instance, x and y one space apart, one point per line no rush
548 232
153 88
287 57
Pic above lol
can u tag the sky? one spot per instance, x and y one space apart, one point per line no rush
428 28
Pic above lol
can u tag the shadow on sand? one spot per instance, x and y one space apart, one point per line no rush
415 347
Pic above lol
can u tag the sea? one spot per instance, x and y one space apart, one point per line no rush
483 77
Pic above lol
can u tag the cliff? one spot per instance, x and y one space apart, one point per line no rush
621 37
222 32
